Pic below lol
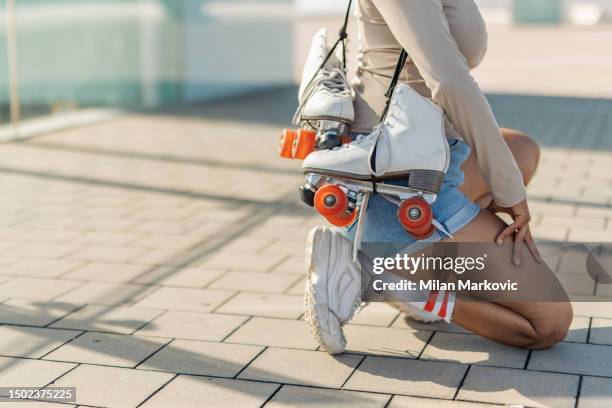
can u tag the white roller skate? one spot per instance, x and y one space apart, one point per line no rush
325 102
409 143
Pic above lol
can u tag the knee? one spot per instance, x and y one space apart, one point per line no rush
526 152
553 331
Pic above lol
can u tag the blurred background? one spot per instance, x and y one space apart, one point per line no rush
91 57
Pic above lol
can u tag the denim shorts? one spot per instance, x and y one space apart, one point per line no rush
452 208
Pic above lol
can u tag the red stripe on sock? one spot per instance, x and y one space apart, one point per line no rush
442 312
431 301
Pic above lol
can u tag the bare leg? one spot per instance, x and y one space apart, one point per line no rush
532 325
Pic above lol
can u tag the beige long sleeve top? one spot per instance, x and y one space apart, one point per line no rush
444 40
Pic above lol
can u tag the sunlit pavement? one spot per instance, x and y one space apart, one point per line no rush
157 260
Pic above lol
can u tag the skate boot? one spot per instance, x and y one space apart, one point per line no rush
409 143
325 103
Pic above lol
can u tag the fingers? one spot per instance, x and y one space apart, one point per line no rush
519 242
533 248
507 232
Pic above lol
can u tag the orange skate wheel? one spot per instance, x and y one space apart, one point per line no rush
330 201
304 143
345 139
343 220
416 217
285 149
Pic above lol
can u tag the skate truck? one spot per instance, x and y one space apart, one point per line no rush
325 98
408 145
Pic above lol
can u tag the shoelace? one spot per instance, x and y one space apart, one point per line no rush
333 81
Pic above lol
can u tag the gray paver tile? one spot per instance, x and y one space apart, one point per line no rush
385 341
268 305
186 299
230 260
123 320
400 401
196 326
116 350
298 288
407 377
293 247
30 313
601 331
375 314
255 282
291 396
33 342
180 277
404 322
509 386
293 264
8 403
34 268
107 272
42 251
109 294
20 372
585 306
575 358
275 333
202 358
105 238
315 367
37 289
472 349
579 330
188 391
595 392
107 254
112 386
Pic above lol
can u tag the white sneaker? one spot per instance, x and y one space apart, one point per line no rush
411 140
326 94
333 287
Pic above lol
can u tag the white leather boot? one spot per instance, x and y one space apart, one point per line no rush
409 143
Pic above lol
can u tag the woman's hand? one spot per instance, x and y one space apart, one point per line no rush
519 228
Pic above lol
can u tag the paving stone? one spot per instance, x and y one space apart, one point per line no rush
293 247
573 358
123 320
268 305
112 386
519 387
587 306
472 349
385 341
109 294
231 260
32 342
20 372
301 367
9 403
42 290
579 330
165 241
255 282
202 358
29 313
293 265
180 277
400 401
249 245
107 254
298 288
105 238
375 314
107 272
188 391
601 331
167 257
184 299
595 392
42 251
107 349
196 326
290 396
275 333
407 377
34 268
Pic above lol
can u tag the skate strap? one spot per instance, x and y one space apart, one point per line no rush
403 57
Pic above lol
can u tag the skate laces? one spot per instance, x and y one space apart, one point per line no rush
332 81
